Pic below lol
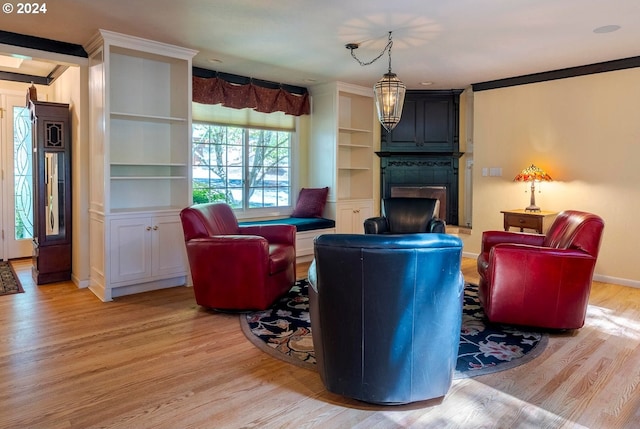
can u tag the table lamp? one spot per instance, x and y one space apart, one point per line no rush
532 174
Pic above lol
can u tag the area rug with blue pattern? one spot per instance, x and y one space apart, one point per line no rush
284 331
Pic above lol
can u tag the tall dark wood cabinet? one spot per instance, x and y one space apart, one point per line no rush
52 192
420 156
429 123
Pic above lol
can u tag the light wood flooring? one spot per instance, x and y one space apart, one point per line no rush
157 360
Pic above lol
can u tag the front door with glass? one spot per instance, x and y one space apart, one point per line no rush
16 191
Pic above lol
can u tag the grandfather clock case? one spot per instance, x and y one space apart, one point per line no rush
51 191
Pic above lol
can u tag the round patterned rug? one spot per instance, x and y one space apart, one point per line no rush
284 332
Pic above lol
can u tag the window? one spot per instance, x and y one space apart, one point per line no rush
248 168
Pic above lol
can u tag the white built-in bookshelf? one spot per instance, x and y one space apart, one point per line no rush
342 151
140 145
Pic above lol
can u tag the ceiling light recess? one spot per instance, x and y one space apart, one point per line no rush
606 29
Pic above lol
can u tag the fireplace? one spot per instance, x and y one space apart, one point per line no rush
420 156
422 175
437 192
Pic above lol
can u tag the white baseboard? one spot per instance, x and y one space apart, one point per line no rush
616 280
149 286
304 259
81 284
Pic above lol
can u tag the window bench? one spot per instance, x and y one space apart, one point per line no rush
306 230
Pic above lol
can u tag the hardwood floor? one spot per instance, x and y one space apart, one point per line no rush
157 360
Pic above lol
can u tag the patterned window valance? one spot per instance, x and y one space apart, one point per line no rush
215 90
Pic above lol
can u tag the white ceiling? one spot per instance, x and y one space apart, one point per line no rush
452 43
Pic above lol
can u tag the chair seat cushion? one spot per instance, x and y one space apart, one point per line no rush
301 223
281 256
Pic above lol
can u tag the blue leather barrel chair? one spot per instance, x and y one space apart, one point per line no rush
403 215
385 314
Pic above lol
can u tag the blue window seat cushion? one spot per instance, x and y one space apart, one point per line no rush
301 223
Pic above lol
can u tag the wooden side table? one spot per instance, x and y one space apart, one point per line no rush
538 221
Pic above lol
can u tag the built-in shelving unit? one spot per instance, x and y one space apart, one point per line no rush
140 162
342 151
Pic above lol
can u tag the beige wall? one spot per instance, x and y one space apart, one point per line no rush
302 158
585 132
21 88
71 87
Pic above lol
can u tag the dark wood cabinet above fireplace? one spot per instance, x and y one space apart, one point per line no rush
421 155
430 123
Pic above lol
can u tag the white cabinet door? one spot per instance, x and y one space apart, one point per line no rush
130 249
344 219
145 248
351 216
168 246
364 210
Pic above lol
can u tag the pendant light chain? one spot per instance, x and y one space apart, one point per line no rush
390 45
388 92
353 46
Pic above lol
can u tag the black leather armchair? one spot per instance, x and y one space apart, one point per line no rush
405 216
385 314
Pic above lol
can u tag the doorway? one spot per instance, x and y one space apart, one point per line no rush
16 198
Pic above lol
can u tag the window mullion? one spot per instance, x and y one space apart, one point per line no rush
245 163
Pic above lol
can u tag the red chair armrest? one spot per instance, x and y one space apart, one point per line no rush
232 244
492 238
543 254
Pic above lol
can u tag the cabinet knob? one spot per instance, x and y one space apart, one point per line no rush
155 227
148 228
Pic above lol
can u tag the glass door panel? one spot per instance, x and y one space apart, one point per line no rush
22 174
17 188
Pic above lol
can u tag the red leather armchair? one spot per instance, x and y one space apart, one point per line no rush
540 280
237 267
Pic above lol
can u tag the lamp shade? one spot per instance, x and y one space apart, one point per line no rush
389 92
532 174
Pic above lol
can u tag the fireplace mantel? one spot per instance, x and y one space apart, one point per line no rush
422 170
388 154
